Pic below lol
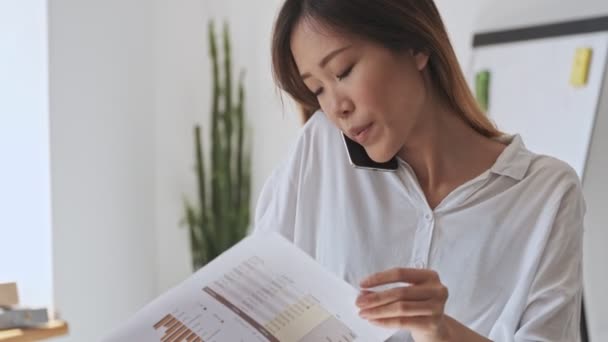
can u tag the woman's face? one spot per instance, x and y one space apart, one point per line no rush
372 94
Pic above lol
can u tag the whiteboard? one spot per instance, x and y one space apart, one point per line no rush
530 93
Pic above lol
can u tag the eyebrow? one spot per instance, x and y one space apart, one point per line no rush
326 59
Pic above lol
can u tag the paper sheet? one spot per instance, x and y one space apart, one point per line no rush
262 289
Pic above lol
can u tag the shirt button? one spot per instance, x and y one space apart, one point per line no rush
428 216
419 264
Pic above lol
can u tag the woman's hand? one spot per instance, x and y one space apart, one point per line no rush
417 307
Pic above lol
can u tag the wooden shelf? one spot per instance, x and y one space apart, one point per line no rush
52 329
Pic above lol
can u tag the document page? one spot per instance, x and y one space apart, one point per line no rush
262 289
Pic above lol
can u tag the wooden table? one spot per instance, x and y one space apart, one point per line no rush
52 329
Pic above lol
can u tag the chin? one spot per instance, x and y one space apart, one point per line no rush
380 156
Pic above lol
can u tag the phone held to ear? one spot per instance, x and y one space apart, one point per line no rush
359 158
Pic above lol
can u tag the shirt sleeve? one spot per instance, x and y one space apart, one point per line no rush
285 191
553 309
276 207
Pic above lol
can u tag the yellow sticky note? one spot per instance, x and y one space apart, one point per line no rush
580 69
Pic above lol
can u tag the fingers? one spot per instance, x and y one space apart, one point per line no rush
369 299
419 323
403 309
418 306
400 275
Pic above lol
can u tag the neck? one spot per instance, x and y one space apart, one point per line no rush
444 152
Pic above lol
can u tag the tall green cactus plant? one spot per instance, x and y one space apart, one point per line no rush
221 216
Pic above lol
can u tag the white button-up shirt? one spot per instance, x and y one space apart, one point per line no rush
507 244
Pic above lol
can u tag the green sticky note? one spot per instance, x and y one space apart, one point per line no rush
482 89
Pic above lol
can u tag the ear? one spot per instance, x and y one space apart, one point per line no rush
421 58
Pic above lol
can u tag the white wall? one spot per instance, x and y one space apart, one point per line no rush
460 18
183 99
181 87
495 14
25 222
102 156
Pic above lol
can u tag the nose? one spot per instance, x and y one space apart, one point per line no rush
342 106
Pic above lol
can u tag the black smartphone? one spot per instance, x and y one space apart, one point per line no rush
359 158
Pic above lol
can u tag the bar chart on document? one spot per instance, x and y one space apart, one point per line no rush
251 303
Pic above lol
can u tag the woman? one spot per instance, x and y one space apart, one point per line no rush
469 211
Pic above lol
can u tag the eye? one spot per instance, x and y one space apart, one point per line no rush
340 77
345 73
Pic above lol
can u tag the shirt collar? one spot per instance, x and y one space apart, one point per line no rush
515 160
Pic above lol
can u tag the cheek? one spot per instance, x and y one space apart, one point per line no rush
332 118
370 95
388 90
407 98
324 104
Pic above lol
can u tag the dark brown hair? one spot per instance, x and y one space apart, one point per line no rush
396 24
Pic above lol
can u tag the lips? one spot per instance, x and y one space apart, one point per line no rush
359 133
